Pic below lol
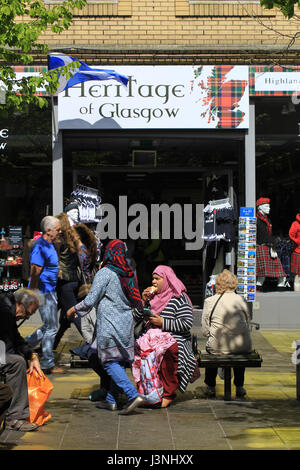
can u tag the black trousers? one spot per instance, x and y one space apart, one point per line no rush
67 298
211 374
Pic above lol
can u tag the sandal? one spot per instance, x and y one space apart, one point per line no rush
20 425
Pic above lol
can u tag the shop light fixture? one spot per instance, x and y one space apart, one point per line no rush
289 108
41 163
33 155
135 175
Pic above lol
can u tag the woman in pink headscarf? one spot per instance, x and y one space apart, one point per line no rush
174 314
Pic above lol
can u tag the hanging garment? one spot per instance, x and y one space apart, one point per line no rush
219 220
88 202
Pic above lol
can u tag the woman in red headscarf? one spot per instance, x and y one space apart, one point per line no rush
114 293
173 312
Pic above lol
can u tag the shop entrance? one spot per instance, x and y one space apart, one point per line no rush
181 171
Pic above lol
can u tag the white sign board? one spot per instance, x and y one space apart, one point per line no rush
160 97
277 81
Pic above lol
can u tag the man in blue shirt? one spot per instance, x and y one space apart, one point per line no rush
43 276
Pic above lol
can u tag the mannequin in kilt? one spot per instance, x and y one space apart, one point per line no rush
294 234
267 262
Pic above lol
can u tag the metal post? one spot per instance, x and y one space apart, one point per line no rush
227 383
250 186
57 162
298 369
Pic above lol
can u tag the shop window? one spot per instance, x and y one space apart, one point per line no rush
222 8
101 7
25 167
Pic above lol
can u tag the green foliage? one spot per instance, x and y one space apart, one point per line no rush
22 22
286 6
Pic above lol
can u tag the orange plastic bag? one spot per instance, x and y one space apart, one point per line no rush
39 389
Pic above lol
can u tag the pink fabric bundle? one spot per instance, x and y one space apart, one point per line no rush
172 287
154 340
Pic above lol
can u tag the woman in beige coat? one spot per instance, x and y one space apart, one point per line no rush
226 324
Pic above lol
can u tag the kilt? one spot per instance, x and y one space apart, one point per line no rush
295 263
267 266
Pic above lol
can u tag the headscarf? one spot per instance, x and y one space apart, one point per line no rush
115 259
172 287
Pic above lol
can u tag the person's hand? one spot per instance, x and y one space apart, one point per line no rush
156 321
34 363
148 293
71 313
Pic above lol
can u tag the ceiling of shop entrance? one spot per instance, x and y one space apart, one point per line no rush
155 150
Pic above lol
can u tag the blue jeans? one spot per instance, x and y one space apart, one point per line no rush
120 380
45 334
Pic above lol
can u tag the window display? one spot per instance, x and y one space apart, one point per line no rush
268 263
294 234
11 259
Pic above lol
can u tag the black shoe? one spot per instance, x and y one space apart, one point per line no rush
131 405
240 392
210 392
20 425
104 405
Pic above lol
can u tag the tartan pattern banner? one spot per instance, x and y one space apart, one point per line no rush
261 69
223 97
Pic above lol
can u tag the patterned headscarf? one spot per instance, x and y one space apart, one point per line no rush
115 259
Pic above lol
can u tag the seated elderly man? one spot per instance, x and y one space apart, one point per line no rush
18 355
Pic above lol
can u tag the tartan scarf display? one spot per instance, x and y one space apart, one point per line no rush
115 259
266 220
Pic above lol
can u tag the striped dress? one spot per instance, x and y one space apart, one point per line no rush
178 321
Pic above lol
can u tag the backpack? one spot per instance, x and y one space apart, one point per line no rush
150 385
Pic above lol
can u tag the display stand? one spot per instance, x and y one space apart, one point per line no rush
11 263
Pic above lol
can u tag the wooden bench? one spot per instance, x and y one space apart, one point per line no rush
226 361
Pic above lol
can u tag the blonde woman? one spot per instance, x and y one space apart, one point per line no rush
225 324
68 248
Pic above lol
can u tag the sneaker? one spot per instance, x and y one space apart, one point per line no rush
210 392
54 370
131 405
20 425
240 392
105 405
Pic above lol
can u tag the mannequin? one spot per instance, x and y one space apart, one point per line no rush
72 212
294 234
268 263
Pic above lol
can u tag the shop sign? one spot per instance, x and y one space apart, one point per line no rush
160 97
15 235
277 81
246 211
3 138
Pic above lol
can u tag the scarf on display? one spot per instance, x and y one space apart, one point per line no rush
115 259
266 220
172 287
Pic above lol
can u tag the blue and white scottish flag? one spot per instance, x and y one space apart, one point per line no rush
82 73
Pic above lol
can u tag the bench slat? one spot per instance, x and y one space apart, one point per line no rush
229 360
